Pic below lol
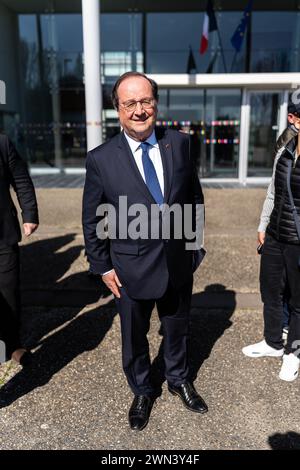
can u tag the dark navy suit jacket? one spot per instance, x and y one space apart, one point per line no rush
13 172
144 266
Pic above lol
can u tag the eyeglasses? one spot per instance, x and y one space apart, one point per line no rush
131 105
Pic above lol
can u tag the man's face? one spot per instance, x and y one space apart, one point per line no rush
139 122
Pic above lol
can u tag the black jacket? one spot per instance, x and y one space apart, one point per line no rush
144 266
13 172
282 225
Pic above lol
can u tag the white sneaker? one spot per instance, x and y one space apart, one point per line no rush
290 367
262 349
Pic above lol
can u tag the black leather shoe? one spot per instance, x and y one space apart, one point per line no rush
190 398
139 412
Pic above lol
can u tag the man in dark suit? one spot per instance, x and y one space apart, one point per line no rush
150 170
13 173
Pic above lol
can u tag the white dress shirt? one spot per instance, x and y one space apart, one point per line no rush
154 154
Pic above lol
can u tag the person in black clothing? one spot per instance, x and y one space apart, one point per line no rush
281 256
13 173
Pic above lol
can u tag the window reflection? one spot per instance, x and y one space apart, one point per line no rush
212 118
50 126
264 118
121 43
274 42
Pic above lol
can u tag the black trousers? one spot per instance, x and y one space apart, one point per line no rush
173 310
10 299
277 260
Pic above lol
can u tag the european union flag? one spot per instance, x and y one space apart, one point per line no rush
238 36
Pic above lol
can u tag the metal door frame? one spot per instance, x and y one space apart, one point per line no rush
245 129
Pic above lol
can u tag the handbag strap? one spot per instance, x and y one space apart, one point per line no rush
294 210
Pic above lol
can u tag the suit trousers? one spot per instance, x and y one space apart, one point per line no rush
279 260
10 299
173 310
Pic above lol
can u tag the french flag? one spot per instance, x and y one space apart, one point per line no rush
209 24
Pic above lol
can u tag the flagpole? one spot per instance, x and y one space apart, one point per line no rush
202 137
222 51
248 43
212 62
233 61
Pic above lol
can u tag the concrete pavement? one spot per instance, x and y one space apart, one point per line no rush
75 395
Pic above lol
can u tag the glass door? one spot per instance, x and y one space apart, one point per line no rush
220 150
264 126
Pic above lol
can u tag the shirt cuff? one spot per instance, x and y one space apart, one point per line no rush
262 227
107 272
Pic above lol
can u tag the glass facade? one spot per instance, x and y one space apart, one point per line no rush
272 45
41 63
213 123
121 43
52 127
51 60
275 39
168 50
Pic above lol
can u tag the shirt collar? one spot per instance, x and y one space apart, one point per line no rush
134 145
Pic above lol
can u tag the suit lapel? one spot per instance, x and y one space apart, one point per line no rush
165 148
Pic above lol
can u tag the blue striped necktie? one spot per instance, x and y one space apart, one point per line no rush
150 175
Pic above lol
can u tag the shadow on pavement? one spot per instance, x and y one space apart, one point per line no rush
83 333
43 264
286 441
206 327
